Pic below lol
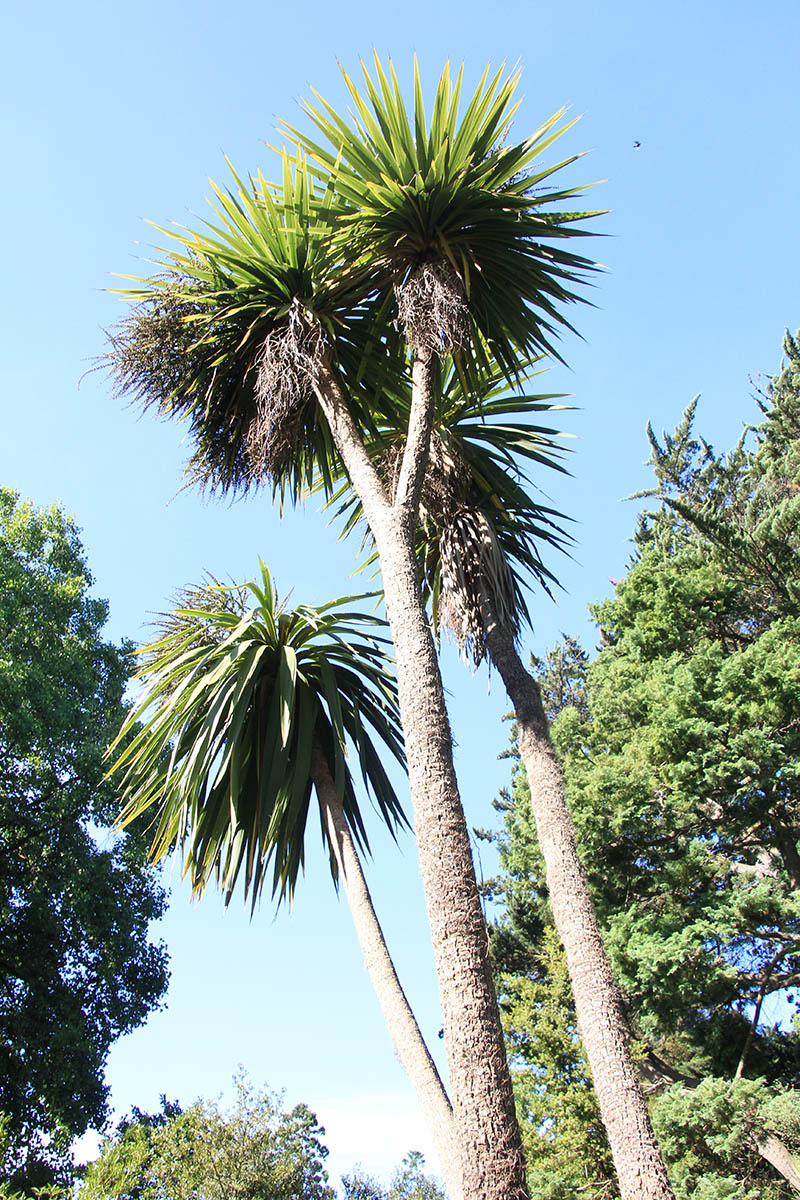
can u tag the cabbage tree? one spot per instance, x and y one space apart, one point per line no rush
247 713
279 332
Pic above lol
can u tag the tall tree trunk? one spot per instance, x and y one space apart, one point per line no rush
408 1041
492 1164
603 1029
779 1156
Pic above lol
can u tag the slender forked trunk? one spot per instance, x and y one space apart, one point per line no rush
637 1158
492 1165
407 1039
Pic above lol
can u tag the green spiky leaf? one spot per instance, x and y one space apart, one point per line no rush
235 700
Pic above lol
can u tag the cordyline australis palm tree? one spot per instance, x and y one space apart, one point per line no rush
245 710
479 538
281 325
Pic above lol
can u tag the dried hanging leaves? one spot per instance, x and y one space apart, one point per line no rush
432 309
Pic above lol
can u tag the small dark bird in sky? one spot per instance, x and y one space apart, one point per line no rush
636 145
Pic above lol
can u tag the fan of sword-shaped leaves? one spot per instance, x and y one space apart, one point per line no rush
459 196
229 331
479 526
218 750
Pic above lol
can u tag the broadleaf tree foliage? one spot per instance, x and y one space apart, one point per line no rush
254 1150
681 746
76 968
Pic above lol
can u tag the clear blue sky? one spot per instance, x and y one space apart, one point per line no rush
113 113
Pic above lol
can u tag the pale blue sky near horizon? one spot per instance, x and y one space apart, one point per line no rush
117 114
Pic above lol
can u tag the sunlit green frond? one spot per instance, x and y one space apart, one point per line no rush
228 331
218 751
455 191
396 211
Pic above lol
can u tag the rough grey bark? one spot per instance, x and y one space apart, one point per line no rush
492 1164
603 1029
773 1151
407 1039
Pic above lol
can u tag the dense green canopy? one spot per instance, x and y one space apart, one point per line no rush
254 1151
76 968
